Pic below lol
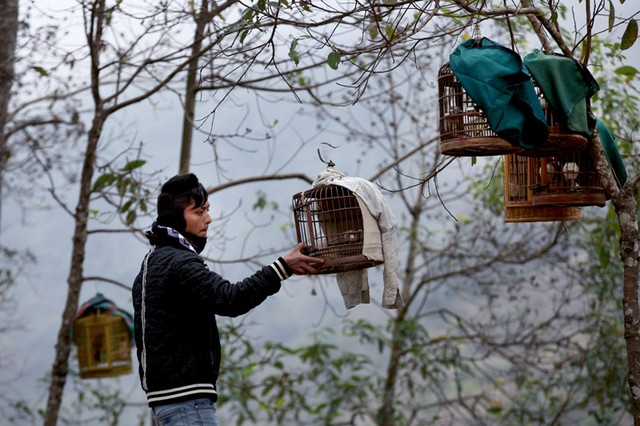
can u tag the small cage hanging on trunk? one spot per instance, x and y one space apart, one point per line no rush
565 180
465 130
104 346
331 221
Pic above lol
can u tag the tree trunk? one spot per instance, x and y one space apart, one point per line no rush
625 204
630 254
191 89
60 366
386 414
63 346
8 35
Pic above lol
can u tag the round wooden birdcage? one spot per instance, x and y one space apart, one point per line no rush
329 221
520 185
564 180
465 130
104 346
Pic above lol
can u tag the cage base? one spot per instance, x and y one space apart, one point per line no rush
477 147
570 200
530 213
347 264
100 372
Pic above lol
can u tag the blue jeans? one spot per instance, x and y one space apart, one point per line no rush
194 412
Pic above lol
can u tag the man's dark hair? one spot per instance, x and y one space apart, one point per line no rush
175 195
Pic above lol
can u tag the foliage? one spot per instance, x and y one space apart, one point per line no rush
123 188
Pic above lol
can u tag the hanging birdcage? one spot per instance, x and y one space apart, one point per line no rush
521 181
465 130
330 221
564 180
104 346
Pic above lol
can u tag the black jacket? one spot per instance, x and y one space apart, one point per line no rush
175 299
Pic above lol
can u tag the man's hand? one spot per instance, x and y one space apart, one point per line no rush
301 264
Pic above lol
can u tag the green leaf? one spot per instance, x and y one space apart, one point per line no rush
630 35
41 71
126 206
244 35
248 15
612 15
103 181
123 184
261 202
292 51
333 59
474 160
603 254
373 31
627 71
131 165
131 217
390 31
261 5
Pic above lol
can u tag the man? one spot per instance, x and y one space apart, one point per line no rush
176 298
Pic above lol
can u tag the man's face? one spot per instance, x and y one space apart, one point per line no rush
197 218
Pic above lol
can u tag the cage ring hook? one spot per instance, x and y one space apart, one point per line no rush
328 163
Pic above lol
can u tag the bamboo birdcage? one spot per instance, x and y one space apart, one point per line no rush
568 179
465 130
104 346
329 221
550 188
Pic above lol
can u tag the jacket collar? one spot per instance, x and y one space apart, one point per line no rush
159 234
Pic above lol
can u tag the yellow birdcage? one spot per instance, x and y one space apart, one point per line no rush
331 222
465 130
104 346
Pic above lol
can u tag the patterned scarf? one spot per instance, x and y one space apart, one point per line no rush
159 234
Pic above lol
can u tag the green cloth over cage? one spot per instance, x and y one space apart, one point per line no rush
497 81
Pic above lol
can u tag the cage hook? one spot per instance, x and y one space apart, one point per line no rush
328 163
476 34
